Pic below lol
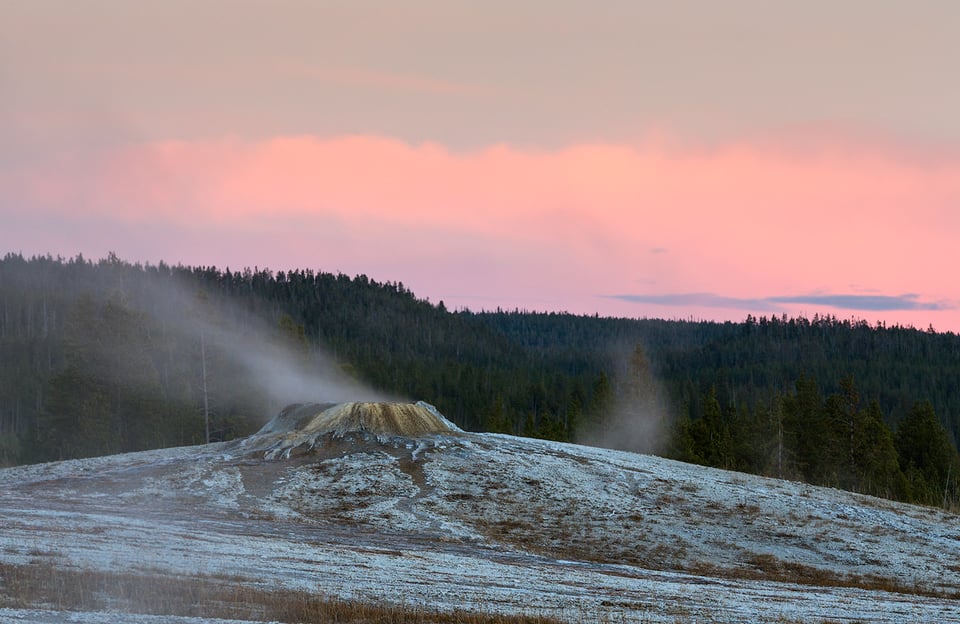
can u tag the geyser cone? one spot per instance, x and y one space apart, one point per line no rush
385 420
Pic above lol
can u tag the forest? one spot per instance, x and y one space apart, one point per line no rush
105 356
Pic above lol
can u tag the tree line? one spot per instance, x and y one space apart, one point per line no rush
839 440
102 357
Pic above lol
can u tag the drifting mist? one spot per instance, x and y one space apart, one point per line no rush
637 417
275 359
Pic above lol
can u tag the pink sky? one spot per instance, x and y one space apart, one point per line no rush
441 164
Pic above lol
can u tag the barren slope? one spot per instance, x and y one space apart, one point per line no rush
491 522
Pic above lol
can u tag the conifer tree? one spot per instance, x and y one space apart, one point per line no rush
875 456
496 420
927 457
806 429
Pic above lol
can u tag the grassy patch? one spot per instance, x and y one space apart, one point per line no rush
769 567
574 541
44 585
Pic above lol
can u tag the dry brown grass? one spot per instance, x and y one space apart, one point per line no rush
548 541
769 567
43 585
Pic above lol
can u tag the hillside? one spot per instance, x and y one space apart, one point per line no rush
107 357
753 360
482 522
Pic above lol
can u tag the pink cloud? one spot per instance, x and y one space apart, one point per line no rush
559 227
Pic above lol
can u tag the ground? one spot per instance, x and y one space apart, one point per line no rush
484 522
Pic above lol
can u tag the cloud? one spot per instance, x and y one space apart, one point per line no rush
733 228
700 300
875 303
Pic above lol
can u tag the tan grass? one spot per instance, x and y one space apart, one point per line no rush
549 541
44 585
769 567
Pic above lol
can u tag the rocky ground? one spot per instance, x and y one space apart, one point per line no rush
482 522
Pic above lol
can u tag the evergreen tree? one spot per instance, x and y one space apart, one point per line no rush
875 456
574 418
776 456
77 420
807 431
842 419
711 435
928 458
682 445
530 429
496 420
602 399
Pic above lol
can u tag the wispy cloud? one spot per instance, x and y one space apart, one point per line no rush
908 301
700 300
648 224
879 303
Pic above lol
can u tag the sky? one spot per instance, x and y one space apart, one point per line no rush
682 160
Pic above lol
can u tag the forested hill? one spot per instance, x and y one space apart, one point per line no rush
106 356
759 358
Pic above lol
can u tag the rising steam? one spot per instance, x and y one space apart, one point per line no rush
245 362
278 366
281 371
637 417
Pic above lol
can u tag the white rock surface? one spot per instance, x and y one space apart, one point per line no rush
483 521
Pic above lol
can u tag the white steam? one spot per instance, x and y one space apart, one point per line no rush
637 417
276 365
280 371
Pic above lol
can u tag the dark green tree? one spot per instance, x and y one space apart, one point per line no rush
602 399
77 420
807 432
711 435
927 456
876 466
497 420
841 417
